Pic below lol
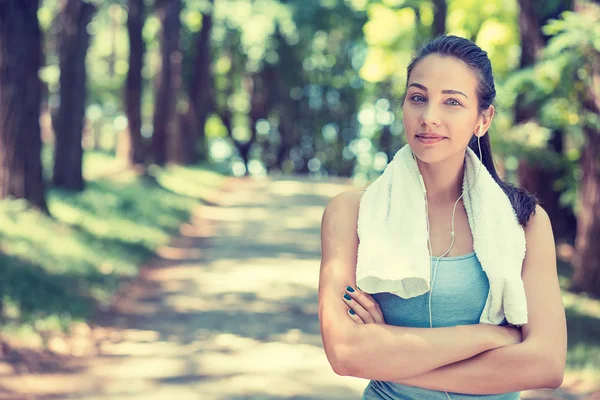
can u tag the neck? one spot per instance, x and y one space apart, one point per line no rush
444 179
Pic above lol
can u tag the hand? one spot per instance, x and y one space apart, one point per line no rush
363 308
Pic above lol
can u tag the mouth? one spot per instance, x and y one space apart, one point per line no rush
427 138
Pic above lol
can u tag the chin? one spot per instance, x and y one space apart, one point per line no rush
427 154
431 158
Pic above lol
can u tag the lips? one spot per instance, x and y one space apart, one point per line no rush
430 136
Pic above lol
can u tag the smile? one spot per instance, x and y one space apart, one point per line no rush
429 140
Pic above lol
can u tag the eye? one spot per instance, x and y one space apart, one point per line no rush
417 98
453 102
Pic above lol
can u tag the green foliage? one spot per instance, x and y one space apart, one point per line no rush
556 87
55 269
583 324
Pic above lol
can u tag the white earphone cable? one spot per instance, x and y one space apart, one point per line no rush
432 278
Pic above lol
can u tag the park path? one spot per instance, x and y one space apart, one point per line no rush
227 311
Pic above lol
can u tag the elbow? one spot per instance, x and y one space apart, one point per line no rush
553 372
340 360
340 350
341 340
554 378
549 364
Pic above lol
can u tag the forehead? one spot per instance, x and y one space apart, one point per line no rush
438 73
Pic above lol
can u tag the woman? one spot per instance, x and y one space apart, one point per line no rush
447 107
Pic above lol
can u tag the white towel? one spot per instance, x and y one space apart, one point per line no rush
393 255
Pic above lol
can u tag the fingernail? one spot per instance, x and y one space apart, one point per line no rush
351 311
349 288
347 296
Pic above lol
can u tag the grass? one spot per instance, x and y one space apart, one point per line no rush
583 327
55 270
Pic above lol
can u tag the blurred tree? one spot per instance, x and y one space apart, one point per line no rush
193 138
134 82
439 17
564 85
113 25
260 87
285 72
317 91
235 76
534 174
73 41
587 251
20 97
168 82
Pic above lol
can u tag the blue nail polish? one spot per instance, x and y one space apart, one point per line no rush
351 311
347 296
349 288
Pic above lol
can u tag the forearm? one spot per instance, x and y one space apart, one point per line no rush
502 370
390 353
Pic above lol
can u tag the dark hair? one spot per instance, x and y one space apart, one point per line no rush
477 60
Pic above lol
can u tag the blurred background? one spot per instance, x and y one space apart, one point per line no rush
118 116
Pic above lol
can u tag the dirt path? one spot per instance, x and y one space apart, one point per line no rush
228 311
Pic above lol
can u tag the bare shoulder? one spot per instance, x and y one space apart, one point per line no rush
339 244
348 198
339 238
539 224
540 255
343 207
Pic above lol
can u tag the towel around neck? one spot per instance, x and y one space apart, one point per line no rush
393 255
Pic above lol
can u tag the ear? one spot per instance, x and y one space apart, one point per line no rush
486 120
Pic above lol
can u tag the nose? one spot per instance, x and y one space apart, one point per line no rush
430 116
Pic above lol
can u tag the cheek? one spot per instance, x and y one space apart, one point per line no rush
410 117
460 120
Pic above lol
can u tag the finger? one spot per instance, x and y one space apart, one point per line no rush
368 296
355 317
366 317
365 299
368 303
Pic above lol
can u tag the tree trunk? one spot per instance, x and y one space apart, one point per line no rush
288 132
386 140
586 259
20 98
134 83
260 99
532 177
73 41
439 17
168 81
532 39
532 43
193 139
226 114
243 148
113 9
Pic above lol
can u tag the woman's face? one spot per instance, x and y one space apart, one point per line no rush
441 99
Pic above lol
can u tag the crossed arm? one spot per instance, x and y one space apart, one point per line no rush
474 359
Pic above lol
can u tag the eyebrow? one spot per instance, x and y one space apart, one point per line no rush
448 91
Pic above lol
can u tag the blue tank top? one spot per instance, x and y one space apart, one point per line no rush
460 291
